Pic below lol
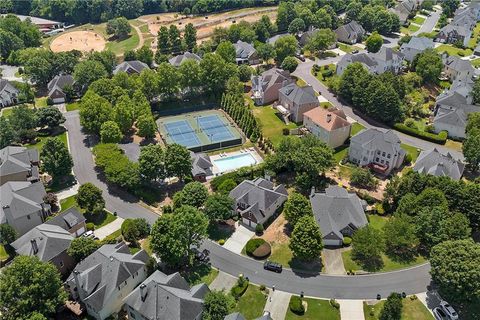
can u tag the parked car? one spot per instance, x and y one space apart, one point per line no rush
355 51
439 314
201 255
272 266
89 234
451 313
300 57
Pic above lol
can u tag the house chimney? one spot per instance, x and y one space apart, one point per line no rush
76 275
143 292
329 117
33 242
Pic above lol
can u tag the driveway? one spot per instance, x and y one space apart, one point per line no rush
223 281
106 230
332 260
429 23
277 304
8 73
238 239
351 309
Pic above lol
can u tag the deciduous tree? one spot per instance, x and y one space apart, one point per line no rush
50 117
226 50
428 65
178 162
367 247
151 163
374 42
7 234
217 305
89 198
193 194
88 71
110 132
82 247
289 64
119 27
56 160
400 238
306 243
392 309
296 207
218 206
284 47
190 36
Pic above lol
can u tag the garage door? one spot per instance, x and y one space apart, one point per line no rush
80 231
58 100
330 242
249 223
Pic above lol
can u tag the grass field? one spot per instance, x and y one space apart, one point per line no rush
453 51
356 128
316 309
475 34
319 75
418 20
388 264
72 106
271 123
251 303
347 47
200 274
376 221
413 28
42 140
410 150
340 153
412 310
68 203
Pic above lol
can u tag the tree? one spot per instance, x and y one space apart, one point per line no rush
29 285
353 10
94 112
88 71
50 117
23 118
226 50
9 43
400 238
7 234
450 6
135 229
167 79
106 57
151 163
471 148
190 75
244 72
321 40
456 270
146 126
124 113
174 38
217 305
89 198
285 15
473 122
296 26
382 101
193 194
82 247
266 51
363 178
56 160
218 206
215 72
190 36
367 247
174 235
392 309
163 40
323 19
428 65
7 134
289 64
119 27
284 47
374 42
110 132
178 162
306 243
296 207
145 54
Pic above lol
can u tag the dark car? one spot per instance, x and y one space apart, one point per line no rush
202 255
355 51
272 266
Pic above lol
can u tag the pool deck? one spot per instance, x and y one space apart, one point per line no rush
216 171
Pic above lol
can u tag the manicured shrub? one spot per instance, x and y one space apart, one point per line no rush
221 242
440 138
408 159
334 304
296 305
90 226
286 131
253 244
263 251
347 241
239 288
259 228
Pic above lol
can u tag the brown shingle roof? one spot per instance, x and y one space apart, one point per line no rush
329 119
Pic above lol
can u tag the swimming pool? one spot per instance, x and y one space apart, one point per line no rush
234 162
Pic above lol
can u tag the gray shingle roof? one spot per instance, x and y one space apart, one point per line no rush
268 78
234 316
435 163
386 54
21 198
243 50
179 59
418 43
68 219
274 39
350 31
3 86
374 139
102 271
17 159
134 66
61 81
458 64
50 240
201 163
167 298
299 95
336 209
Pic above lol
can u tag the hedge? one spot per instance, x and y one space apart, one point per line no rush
239 289
262 251
296 305
440 138
253 244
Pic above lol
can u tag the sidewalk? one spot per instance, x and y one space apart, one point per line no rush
277 304
103 232
223 281
238 239
351 309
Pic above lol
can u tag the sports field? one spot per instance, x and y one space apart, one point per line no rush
199 131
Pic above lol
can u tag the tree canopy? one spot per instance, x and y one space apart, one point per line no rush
82 247
306 242
89 198
56 160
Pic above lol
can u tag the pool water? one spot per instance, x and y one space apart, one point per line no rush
234 162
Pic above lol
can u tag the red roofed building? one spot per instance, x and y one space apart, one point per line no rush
329 125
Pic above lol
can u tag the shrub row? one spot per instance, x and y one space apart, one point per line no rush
440 138
237 176
239 289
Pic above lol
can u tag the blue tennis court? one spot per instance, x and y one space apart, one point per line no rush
182 133
215 129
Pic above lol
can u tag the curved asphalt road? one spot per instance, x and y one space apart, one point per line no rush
410 281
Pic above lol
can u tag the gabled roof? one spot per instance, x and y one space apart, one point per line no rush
7 86
299 95
104 270
454 115
17 159
201 163
68 219
460 30
386 54
234 316
349 30
20 198
274 39
458 64
418 43
50 240
243 50
363 58
61 81
336 209
435 163
179 59
134 65
374 139
329 119
269 78
167 298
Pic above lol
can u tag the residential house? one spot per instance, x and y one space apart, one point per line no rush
376 149
22 205
386 59
70 220
163 297
265 87
57 85
350 33
8 94
103 279
258 200
245 53
201 166
438 164
454 67
305 37
329 125
130 67
405 9
179 59
338 214
415 46
49 243
18 164
454 34
274 38
297 100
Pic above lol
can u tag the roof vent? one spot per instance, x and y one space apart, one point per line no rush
329 117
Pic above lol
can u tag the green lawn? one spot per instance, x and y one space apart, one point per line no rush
6 112
130 43
376 221
356 128
316 309
340 153
100 219
251 303
3 253
68 203
73 106
453 51
200 274
319 76
272 125
411 150
41 102
388 264
475 34
476 63
347 48
42 140
282 254
418 20
412 310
